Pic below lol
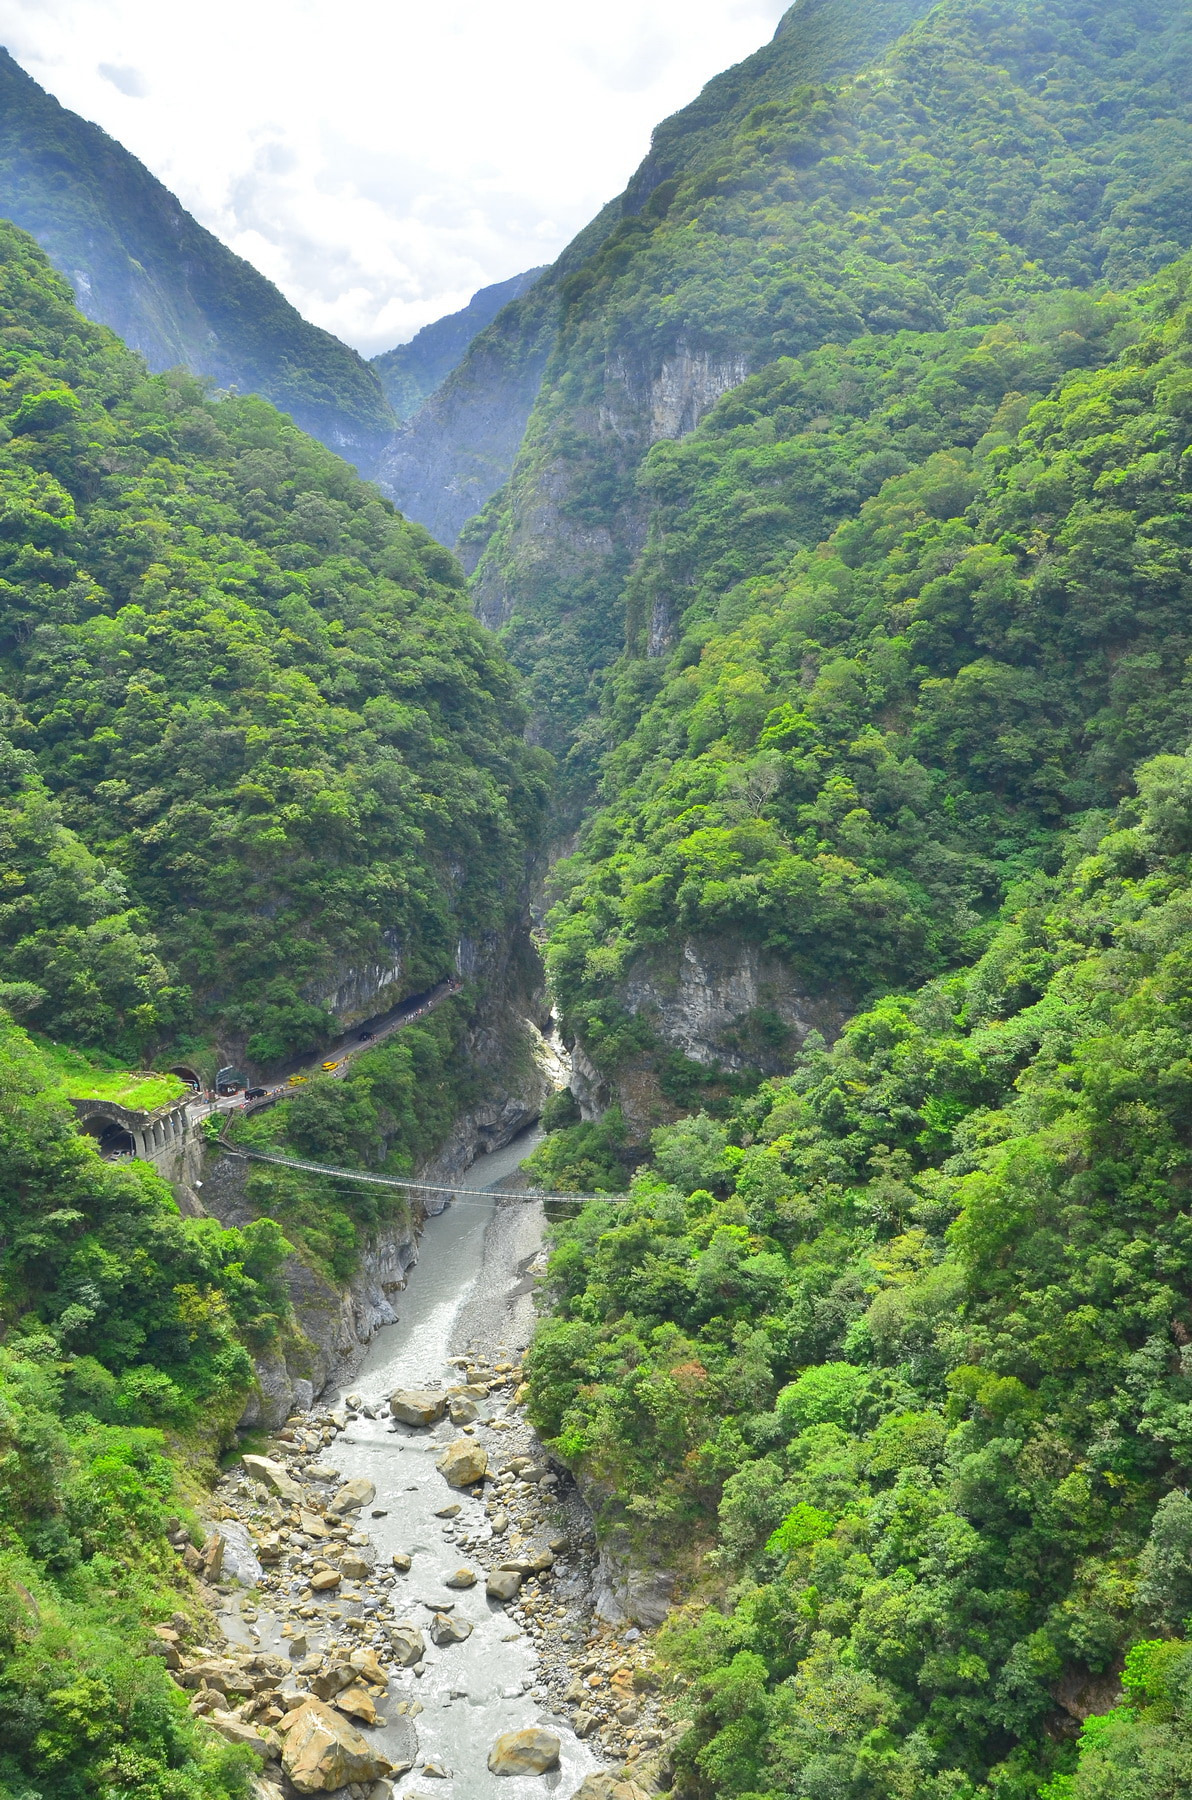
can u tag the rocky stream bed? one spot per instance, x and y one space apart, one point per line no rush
403 1585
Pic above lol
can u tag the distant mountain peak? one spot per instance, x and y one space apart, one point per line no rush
412 372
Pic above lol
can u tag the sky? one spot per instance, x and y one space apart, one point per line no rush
380 160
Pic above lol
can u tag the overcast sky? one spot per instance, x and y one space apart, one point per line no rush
382 159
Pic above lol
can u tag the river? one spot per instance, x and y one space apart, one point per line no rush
470 1292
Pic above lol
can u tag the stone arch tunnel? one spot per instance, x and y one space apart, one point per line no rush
120 1131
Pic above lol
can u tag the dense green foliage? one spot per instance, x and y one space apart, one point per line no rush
917 1319
251 689
97 1255
888 1356
999 150
391 1111
146 268
119 1319
852 754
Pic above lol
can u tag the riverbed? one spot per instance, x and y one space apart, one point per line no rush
470 1295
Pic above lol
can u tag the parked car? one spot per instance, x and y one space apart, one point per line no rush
366 1035
297 1080
331 1065
255 1093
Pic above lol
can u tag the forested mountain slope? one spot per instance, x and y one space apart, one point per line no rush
462 446
126 1362
996 151
872 947
412 372
855 751
253 747
140 264
258 743
891 1364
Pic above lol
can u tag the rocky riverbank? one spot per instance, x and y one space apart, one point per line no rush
341 1656
404 1586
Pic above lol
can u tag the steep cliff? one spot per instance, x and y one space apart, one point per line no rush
412 372
987 155
461 448
693 561
251 685
353 1246
140 264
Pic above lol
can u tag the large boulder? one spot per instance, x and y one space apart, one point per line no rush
445 1630
332 1680
364 1661
353 1495
530 1562
417 1406
218 1672
324 1752
264 1742
529 1752
463 1462
607 1785
358 1703
239 1560
408 1645
503 1584
276 1478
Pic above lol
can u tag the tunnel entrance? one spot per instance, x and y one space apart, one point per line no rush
191 1077
113 1140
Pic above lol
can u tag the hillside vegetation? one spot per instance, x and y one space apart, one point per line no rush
127 1332
885 1355
255 739
251 742
913 1322
853 753
139 263
848 557
994 153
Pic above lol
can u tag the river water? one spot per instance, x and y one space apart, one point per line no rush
469 1293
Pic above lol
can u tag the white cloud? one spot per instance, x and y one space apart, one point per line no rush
382 159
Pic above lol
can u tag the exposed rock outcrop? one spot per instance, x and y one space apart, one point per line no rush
354 994
727 1004
723 1003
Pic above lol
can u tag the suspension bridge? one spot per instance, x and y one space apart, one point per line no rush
410 1185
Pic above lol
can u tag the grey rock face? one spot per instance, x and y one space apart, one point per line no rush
723 1002
529 1752
703 997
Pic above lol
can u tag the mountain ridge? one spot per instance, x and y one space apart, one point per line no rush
460 450
139 263
412 372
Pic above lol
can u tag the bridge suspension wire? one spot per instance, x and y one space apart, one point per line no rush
424 1187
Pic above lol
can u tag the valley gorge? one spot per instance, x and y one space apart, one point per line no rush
642 840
